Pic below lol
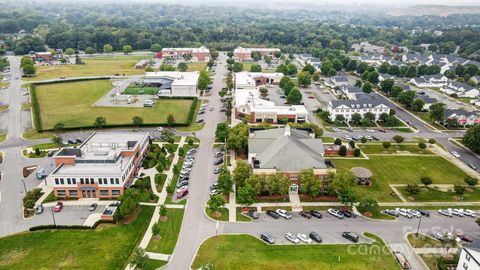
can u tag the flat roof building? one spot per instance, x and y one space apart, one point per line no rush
101 167
245 54
201 54
173 83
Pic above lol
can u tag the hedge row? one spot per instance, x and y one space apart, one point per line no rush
38 121
75 80
68 227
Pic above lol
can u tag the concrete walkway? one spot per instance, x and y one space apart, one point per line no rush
435 250
295 201
158 256
398 193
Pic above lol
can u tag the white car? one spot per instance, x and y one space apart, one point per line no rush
335 212
292 238
160 129
304 238
456 212
455 154
371 130
214 192
414 213
369 138
283 214
182 189
336 129
348 138
469 213
445 212
403 212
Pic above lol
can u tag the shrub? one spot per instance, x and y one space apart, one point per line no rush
459 189
368 205
386 145
431 141
356 152
342 151
412 189
471 181
422 145
352 144
398 139
426 181
338 141
160 168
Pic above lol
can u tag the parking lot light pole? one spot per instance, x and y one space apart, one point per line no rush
419 222
53 216
24 186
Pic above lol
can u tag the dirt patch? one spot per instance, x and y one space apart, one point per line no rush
163 218
28 213
216 215
13 256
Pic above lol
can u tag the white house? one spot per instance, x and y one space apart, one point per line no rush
384 76
350 91
437 80
347 108
469 257
461 89
173 83
337 81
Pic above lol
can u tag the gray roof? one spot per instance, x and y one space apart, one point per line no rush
294 152
426 99
458 112
340 79
357 103
351 89
436 77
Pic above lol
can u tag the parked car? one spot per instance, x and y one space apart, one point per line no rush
185 178
58 207
79 140
218 161
335 212
214 192
382 130
350 236
292 238
375 138
348 138
182 194
471 165
424 212
455 154
72 141
306 215
315 237
456 212
349 129
403 212
223 109
414 213
348 214
273 214
217 170
199 121
316 213
437 236
38 209
283 214
391 212
181 189
218 154
182 184
191 151
51 153
159 129
304 238
464 237
267 238
92 207
470 213
445 212
252 214
214 186
370 130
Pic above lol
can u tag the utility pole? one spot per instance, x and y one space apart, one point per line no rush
419 222
53 217
24 186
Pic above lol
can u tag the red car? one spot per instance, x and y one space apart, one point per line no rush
311 97
182 194
58 207
306 215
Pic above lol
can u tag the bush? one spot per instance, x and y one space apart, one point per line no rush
31 197
471 181
386 145
338 141
460 190
357 152
412 189
398 139
342 151
426 181
368 205
422 145
431 141
352 144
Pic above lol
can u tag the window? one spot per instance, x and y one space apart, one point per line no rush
61 193
87 181
56 181
73 193
92 181
293 177
81 181
115 192
74 181
111 181
104 192
61 181
69 181
117 181
105 181
467 257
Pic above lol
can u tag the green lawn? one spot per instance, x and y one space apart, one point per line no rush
247 252
169 231
222 211
141 91
34 135
435 195
107 247
379 149
94 66
401 170
154 264
71 104
3 108
196 66
422 241
3 137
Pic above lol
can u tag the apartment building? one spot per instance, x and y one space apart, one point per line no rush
469 257
201 54
347 108
101 167
245 54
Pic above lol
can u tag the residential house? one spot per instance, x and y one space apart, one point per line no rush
476 79
469 258
384 76
462 117
460 89
287 151
173 83
337 81
437 80
101 167
428 101
350 92
366 47
347 108
201 54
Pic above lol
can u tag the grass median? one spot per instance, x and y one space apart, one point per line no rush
247 252
169 231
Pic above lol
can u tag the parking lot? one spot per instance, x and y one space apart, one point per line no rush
69 215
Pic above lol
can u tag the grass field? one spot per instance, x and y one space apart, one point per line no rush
422 241
3 137
107 247
169 231
247 252
71 104
402 170
196 66
3 108
141 91
34 135
223 212
379 149
154 264
94 66
434 195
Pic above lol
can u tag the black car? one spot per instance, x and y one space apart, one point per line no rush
375 138
182 183
424 212
223 109
72 141
305 214
50 153
252 214
185 178
315 237
218 161
267 238
199 121
348 214
273 214
79 140
350 236
316 213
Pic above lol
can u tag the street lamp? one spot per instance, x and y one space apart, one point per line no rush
24 186
419 222
53 217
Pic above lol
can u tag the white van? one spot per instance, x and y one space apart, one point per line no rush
148 103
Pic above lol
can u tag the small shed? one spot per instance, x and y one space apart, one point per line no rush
364 175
